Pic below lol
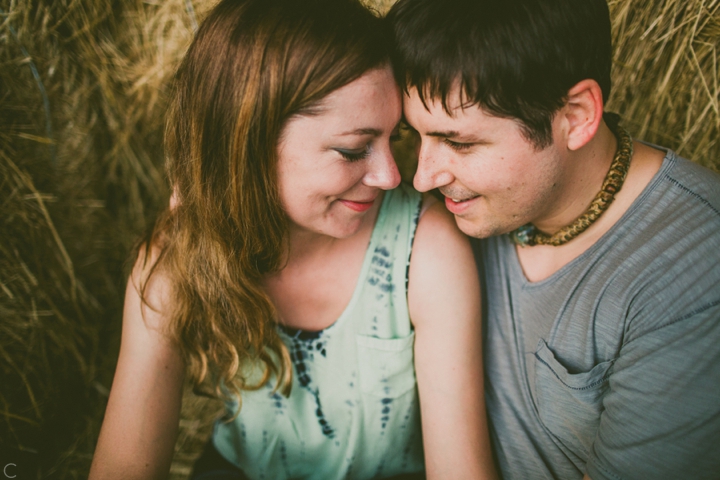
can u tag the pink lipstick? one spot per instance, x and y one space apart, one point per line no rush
358 206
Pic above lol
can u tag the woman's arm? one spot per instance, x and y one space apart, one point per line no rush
444 302
141 421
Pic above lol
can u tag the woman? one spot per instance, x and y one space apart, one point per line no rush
280 279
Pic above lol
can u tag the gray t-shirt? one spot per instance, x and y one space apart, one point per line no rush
611 366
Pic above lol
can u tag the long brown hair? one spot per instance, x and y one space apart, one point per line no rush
252 65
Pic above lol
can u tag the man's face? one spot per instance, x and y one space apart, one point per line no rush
493 178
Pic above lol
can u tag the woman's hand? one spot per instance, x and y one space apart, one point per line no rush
141 421
444 302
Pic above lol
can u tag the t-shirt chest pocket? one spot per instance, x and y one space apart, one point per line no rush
386 365
569 404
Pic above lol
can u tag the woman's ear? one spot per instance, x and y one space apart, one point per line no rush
583 113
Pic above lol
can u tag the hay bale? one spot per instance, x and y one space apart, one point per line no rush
665 74
80 160
83 91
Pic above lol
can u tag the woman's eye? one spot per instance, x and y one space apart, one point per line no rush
457 146
354 155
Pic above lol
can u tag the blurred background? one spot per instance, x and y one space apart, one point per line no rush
83 93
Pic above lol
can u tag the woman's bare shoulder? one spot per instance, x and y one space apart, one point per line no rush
149 289
437 230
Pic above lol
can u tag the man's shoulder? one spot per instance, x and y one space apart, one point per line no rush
693 179
663 256
682 197
678 216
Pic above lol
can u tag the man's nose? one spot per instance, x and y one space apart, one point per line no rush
432 171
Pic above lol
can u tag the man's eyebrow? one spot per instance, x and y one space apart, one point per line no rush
362 131
460 137
445 134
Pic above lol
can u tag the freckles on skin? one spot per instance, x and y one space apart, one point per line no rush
470 150
332 162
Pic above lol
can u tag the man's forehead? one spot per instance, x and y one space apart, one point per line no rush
457 108
455 101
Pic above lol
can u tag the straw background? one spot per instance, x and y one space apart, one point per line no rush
83 91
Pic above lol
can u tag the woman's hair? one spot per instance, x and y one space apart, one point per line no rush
252 65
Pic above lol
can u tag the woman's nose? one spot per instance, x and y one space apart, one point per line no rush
383 171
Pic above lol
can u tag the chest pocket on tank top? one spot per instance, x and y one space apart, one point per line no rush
570 404
386 365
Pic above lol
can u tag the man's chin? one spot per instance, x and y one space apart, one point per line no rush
475 228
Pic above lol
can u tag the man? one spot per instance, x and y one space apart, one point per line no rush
600 256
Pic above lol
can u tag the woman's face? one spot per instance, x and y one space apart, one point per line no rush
333 163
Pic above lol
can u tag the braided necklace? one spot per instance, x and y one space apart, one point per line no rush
529 235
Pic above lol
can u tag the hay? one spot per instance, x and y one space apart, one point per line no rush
83 91
666 74
80 160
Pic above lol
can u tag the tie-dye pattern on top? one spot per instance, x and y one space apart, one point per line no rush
353 411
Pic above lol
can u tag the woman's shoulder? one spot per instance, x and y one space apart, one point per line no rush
436 225
429 225
149 288
441 252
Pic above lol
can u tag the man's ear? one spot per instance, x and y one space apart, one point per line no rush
583 112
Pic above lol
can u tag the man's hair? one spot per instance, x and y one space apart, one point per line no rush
513 58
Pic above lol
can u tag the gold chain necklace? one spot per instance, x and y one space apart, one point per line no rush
529 235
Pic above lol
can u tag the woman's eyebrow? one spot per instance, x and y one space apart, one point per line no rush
362 131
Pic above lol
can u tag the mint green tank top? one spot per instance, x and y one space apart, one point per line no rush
353 411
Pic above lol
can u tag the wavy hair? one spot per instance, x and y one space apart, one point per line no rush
252 65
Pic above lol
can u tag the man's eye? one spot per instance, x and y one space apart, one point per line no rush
354 155
457 146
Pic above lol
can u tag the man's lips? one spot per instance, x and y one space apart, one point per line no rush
459 207
358 206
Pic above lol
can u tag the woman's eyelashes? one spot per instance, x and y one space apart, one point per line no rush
354 155
357 154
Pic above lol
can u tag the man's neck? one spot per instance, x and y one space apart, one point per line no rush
586 170
541 261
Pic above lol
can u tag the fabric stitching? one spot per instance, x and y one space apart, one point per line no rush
587 387
694 194
604 469
680 319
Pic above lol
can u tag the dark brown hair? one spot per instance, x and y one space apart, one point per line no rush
514 58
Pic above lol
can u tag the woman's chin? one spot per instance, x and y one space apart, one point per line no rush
344 230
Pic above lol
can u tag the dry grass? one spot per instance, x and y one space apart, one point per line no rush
83 90
666 74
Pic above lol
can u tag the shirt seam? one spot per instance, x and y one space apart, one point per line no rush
578 389
596 463
687 316
702 199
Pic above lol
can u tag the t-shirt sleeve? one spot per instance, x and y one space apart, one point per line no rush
661 416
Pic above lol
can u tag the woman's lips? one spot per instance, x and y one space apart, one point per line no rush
358 206
457 208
